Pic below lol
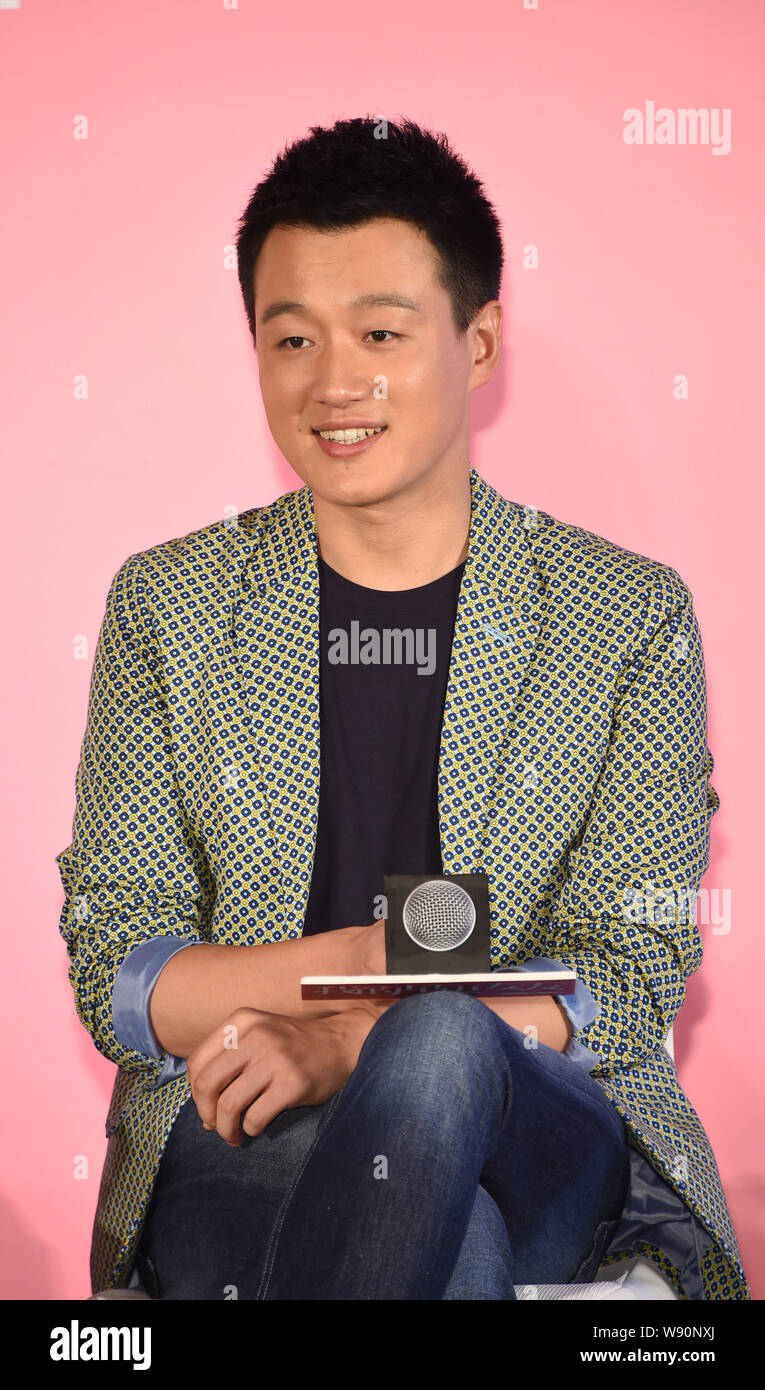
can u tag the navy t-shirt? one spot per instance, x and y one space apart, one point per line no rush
384 670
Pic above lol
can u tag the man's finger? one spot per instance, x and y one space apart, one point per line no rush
274 1099
214 1080
210 1077
235 1099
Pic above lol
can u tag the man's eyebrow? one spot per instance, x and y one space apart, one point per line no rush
375 300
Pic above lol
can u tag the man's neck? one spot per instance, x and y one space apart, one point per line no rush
402 543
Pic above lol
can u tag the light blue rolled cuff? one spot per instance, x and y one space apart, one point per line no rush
580 1008
133 985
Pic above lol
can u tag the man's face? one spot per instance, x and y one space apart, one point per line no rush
333 362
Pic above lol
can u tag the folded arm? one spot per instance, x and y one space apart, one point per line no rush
622 919
136 881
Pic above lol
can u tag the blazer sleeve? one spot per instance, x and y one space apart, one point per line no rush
580 1008
133 872
625 916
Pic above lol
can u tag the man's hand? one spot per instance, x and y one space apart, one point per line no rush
263 1063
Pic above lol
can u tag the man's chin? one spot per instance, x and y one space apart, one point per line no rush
350 484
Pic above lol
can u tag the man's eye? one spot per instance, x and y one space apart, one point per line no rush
296 338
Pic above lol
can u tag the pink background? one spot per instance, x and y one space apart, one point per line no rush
118 264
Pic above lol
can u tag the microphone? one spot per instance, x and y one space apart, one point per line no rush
437 924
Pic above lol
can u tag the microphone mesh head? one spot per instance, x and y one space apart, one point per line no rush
439 916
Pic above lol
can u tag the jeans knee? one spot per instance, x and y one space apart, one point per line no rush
442 1026
442 1007
429 1047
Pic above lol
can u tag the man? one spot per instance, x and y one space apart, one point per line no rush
253 766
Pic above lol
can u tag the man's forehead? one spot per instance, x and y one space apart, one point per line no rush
393 263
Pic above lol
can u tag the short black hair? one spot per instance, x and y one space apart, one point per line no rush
369 167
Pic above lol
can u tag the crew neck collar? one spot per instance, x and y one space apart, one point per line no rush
363 592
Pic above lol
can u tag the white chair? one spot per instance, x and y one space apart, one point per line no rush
669 1044
639 1279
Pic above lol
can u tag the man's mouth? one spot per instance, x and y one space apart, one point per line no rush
354 436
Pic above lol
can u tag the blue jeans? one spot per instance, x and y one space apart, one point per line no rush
453 1164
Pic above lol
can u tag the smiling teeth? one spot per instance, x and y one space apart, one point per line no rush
349 436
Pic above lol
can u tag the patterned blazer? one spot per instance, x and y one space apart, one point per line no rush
573 771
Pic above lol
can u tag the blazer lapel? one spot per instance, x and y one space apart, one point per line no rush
275 630
497 627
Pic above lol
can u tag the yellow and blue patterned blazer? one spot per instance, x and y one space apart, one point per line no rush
573 771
